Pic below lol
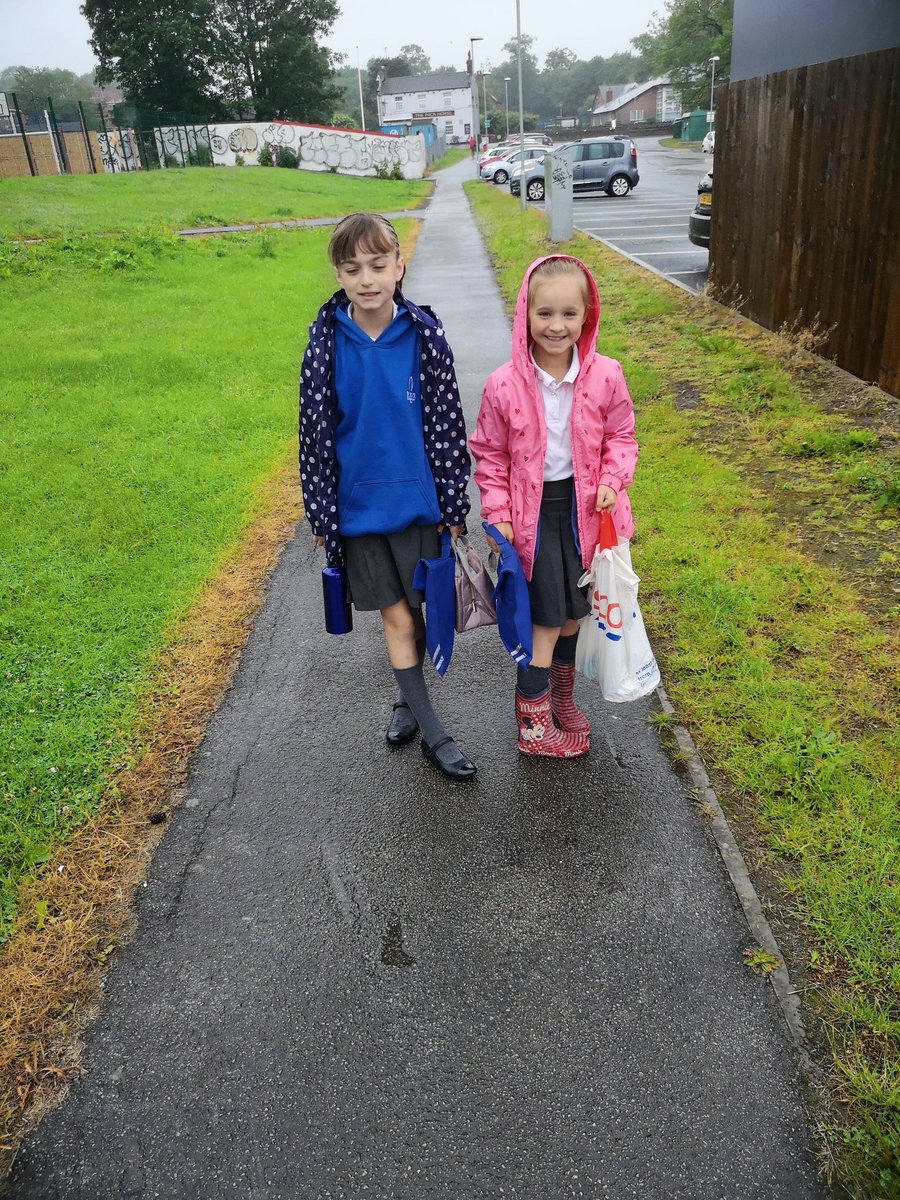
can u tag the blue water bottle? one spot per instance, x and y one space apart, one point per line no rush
338 613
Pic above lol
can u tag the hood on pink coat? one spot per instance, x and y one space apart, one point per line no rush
587 343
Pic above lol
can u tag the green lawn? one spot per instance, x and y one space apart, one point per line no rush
767 521
149 388
190 197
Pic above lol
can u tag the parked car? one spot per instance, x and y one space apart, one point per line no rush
498 169
709 142
598 165
495 152
701 217
540 138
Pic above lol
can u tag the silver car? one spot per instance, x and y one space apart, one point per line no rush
607 164
499 170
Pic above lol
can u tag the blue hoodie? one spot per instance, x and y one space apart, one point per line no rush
385 482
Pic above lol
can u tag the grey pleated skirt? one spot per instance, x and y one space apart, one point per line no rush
553 588
380 566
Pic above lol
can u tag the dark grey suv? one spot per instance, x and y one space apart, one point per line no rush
607 164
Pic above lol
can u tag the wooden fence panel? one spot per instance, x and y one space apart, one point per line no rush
806 213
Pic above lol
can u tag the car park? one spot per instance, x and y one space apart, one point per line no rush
498 170
701 218
598 165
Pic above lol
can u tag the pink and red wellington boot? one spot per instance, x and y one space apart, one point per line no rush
538 736
566 713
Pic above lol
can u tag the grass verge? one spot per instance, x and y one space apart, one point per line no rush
770 592
453 154
190 197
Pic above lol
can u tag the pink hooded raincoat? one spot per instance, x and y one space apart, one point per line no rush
510 438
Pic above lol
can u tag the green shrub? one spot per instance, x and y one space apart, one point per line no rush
265 158
286 157
239 160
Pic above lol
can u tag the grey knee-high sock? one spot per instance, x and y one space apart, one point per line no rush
415 692
420 652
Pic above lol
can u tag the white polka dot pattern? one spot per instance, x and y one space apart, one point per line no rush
442 422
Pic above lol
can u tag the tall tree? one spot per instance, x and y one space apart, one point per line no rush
419 62
271 62
33 85
217 58
681 44
161 55
532 86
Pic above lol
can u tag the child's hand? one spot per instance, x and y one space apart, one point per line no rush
455 531
506 529
606 498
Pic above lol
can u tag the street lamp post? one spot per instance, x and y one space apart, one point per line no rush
362 107
521 101
476 116
506 79
379 80
712 81
485 71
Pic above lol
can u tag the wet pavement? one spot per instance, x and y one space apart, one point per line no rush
352 979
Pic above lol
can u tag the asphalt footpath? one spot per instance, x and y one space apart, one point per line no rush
352 979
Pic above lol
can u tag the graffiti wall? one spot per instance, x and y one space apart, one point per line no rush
118 151
318 148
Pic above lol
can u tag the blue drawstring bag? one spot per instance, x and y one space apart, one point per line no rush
511 600
436 578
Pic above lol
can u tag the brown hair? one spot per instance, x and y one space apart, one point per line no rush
363 230
558 266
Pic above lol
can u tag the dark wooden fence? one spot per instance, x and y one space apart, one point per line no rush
806 207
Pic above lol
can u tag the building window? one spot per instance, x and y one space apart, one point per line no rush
398 102
420 99
468 129
447 100
636 115
448 129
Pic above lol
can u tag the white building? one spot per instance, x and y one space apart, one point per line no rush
445 99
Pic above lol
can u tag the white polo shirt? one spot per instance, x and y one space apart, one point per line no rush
557 399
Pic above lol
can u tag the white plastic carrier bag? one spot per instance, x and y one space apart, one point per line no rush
613 647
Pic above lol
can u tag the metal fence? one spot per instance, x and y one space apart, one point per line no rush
806 208
40 138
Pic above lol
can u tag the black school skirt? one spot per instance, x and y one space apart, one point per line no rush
553 589
380 566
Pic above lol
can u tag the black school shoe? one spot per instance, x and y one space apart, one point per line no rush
403 727
462 769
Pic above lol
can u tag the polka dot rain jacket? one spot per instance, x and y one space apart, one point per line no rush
442 422
510 438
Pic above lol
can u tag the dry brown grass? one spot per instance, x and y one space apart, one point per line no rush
78 910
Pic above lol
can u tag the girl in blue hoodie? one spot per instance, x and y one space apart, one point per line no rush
383 459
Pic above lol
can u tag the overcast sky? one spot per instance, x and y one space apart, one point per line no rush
51 33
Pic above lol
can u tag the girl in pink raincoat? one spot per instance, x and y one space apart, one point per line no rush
554 445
